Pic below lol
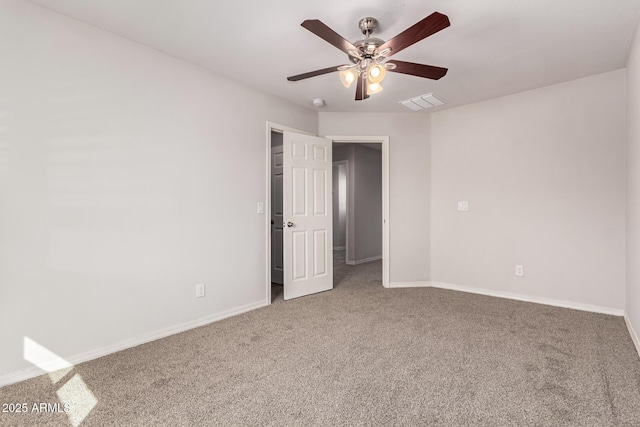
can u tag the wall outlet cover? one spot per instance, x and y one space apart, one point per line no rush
200 290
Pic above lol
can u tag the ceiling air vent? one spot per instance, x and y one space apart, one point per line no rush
422 102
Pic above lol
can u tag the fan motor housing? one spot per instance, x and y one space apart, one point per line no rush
367 46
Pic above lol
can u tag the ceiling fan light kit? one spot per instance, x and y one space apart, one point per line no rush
347 77
368 56
376 73
373 88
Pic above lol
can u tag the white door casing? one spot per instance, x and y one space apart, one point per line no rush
308 211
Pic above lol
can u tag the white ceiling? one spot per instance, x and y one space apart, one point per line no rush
492 48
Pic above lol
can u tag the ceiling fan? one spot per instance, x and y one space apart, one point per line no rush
368 55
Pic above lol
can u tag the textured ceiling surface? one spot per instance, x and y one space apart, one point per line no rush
492 48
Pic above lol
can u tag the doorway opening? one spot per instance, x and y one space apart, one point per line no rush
357 211
366 230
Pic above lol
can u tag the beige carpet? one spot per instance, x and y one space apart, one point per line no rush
365 355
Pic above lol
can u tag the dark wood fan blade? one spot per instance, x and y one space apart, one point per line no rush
423 29
420 70
321 30
361 89
313 74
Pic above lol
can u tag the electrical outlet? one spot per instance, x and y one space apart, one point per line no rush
200 290
520 270
463 206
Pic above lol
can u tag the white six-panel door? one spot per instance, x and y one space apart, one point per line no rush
308 234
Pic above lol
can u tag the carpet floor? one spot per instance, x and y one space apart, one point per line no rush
365 355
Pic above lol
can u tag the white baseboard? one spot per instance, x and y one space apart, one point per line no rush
422 284
33 371
632 332
362 261
339 248
527 298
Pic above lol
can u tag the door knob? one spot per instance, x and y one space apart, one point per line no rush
289 224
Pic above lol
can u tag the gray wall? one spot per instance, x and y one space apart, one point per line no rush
543 172
633 186
127 176
346 152
409 182
367 202
339 215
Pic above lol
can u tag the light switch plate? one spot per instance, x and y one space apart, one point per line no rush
463 206
260 207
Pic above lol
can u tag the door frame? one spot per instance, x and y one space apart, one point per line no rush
384 140
275 127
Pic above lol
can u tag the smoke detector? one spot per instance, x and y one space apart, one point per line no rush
318 102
